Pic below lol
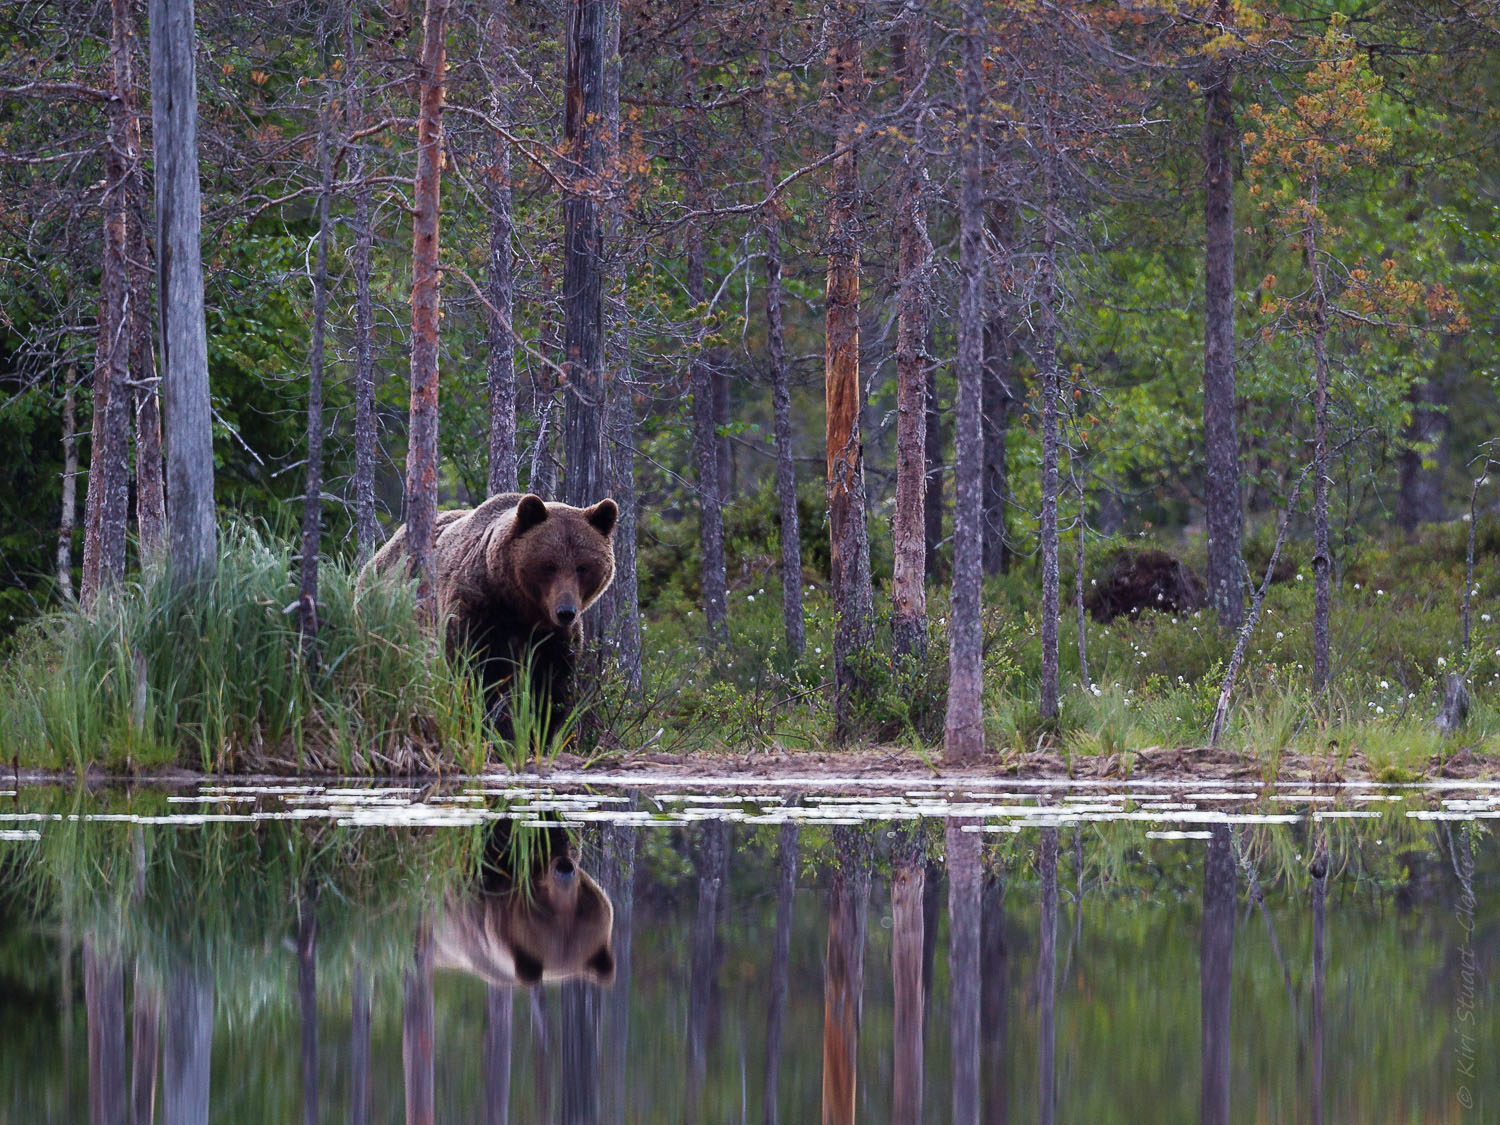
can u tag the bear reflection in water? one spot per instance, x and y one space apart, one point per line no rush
554 923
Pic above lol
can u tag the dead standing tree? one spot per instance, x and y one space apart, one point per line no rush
850 543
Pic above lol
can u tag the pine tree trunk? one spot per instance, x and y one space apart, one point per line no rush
69 517
584 404
624 592
366 529
150 487
932 504
781 394
914 302
1051 397
498 335
701 382
1000 399
1225 570
107 505
312 501
191 532
421 457
963 737
850 543
1322 559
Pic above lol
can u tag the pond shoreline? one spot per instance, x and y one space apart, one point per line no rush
854 770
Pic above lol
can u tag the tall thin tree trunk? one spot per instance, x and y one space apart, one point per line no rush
907 877
1221 493
1051 396
786 890
584 404
932 505
191 533
963 736
1322 559
69 517
914 318
844 398
624 591
312 501
701 382
498 328
964 904
781 394
1000 398
107 506
366 530
422 452
150 497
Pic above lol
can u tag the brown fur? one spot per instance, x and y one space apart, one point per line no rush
559 927
508 572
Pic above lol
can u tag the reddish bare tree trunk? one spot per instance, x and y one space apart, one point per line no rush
913 263
1221 494
498 334
781 394
850 542
963 736
312 501
421 457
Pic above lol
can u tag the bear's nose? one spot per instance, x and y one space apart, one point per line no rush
565 614
564 869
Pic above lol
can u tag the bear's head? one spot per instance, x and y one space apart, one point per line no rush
559 557
556 925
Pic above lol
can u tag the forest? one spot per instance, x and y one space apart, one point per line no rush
1040 382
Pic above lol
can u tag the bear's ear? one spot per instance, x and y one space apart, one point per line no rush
603 516
531 511
602 965
528 968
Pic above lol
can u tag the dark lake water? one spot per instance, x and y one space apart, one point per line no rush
471 952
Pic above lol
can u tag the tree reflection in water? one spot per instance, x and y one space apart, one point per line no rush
844 970
1216 969
964 901
908 878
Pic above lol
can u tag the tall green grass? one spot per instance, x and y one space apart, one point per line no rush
210 677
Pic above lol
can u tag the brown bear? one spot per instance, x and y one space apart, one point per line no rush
514 576
552 925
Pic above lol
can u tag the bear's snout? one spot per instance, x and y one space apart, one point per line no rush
565 613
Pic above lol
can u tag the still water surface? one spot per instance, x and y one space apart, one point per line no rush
1006 952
